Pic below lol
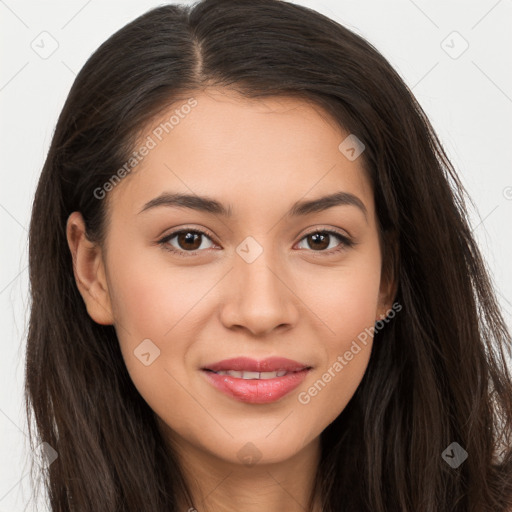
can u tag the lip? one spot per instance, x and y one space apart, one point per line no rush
270 364
256 391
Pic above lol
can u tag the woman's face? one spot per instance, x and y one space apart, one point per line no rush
258 275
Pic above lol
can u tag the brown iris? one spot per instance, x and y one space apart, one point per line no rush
323 238
189 237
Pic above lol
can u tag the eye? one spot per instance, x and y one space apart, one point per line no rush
320 240
188 239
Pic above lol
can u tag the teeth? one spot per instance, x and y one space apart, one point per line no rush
253 375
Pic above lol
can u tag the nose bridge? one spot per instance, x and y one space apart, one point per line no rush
258 298
258 275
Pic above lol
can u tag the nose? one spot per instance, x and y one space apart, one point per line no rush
259 297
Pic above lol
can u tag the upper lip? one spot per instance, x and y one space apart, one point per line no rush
271 364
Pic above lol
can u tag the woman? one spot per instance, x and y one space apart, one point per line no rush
259 369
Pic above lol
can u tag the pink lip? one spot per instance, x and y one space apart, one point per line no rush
271 364
256 391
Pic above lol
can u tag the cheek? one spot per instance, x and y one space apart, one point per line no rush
347 344
345 301
344 298
150 312
147 305
149 298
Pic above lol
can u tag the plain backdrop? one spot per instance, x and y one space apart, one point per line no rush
455 56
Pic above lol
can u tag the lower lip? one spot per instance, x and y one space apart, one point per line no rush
256 391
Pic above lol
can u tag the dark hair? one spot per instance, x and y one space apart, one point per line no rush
437 373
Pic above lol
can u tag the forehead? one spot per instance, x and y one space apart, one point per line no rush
248 153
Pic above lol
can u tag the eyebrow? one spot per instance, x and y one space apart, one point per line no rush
210 205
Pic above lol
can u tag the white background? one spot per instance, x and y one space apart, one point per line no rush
468 100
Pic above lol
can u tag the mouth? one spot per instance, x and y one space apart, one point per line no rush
256 382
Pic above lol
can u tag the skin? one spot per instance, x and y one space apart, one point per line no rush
293 300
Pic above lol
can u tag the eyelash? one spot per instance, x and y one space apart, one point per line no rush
347 243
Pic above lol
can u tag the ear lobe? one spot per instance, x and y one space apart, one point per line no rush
89 272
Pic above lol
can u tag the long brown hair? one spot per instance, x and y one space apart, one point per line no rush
438 373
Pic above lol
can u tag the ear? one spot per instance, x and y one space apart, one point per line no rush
389 278
387 294
89 271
